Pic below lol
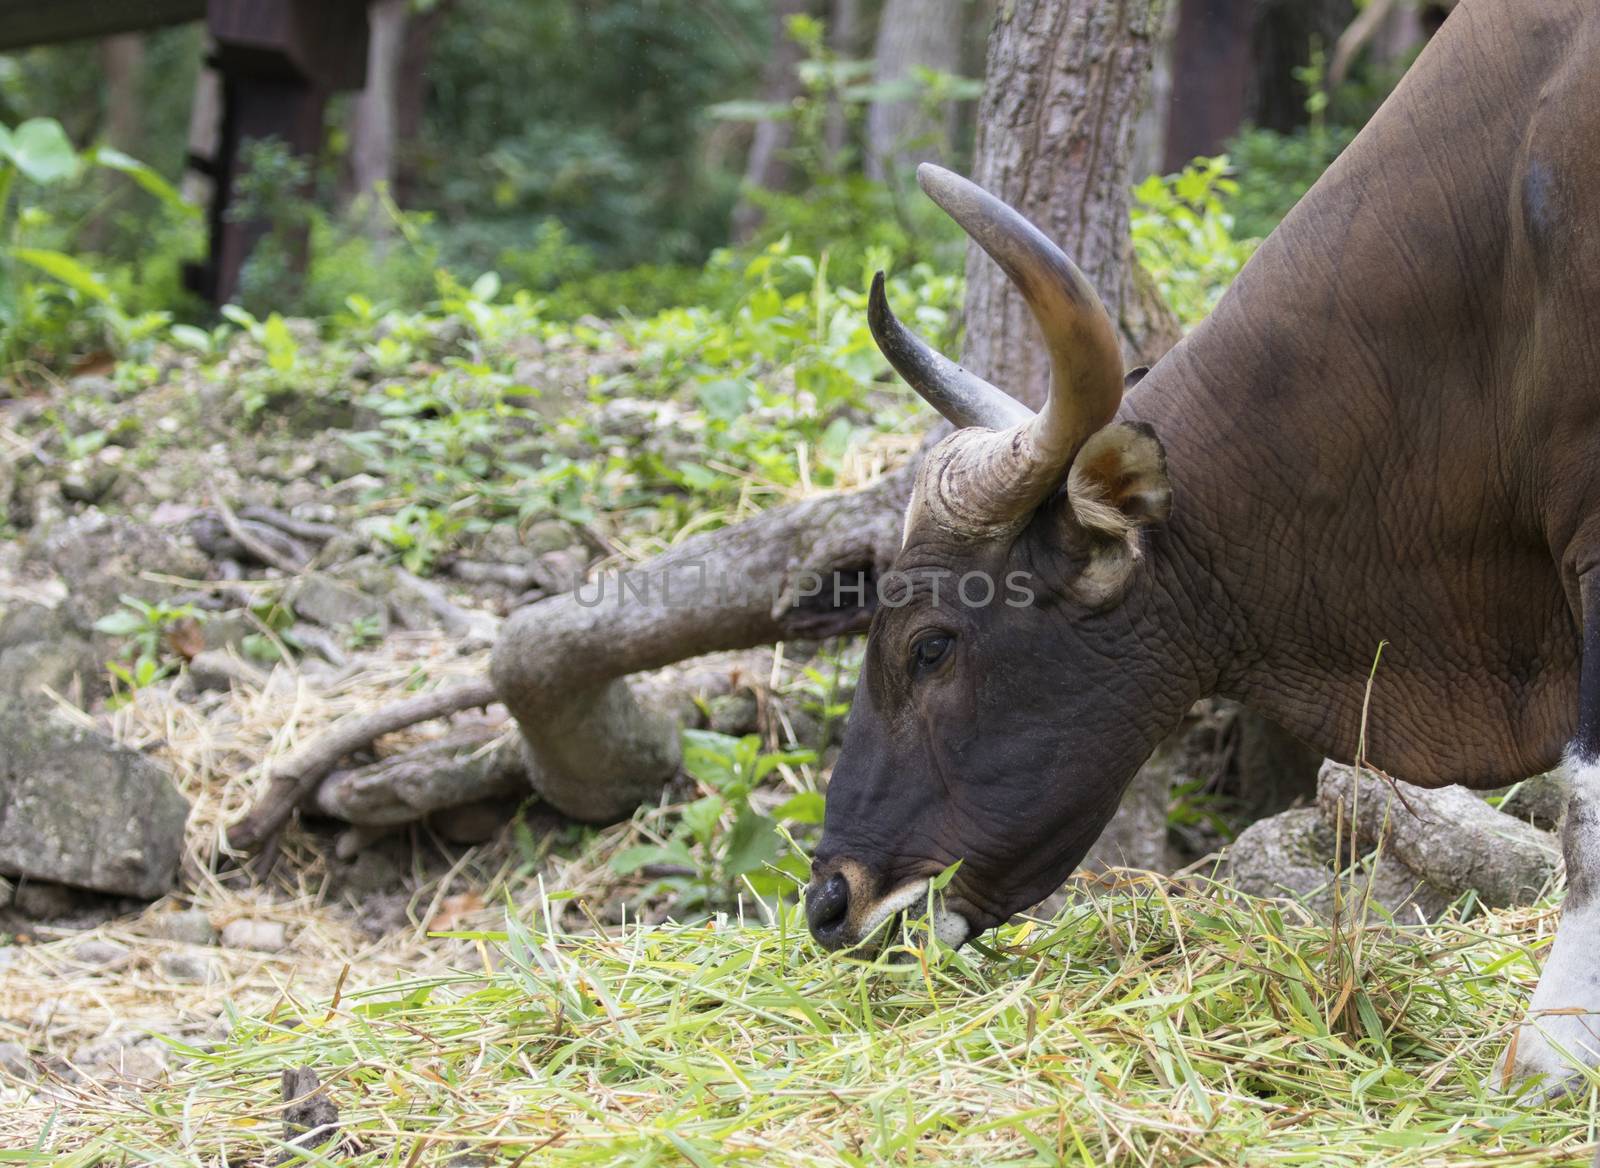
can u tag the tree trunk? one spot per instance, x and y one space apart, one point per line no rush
1065 88
912 34
374 115
121 62
422 29
205 133
844 31
767 167
1150 134
122 59
1286 32
1210 77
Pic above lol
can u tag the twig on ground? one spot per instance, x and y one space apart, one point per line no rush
256 547
296 776
289 525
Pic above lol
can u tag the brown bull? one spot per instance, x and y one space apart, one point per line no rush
1388 430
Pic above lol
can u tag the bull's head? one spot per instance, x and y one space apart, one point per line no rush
998 722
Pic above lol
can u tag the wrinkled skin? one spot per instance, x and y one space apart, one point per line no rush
1388 431
972 757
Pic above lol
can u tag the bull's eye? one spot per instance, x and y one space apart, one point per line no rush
930 649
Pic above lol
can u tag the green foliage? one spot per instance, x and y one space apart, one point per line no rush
274 642
833 208
721 842
774 386
594 116
1274 170
1183 235
146 657
51 301
571 282
286 377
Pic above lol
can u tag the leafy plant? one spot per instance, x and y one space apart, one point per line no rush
47 294
1183 235
834 209
721 841
150 627
268 647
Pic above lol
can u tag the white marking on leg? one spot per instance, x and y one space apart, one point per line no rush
1562 1030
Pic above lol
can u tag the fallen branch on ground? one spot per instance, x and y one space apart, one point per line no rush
594 750
295 777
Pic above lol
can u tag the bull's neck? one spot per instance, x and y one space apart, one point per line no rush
1300 413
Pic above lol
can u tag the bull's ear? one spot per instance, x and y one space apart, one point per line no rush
1119 481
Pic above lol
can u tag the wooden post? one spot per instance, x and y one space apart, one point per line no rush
279 61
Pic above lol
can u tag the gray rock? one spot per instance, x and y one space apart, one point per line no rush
212 536
76 808
227 630
477 822
92 386
217 670
15 1062
373 873
334 605
187 968
383 914
188 927
734 713
105 556
261 936
409 607
41 647
90 480
548 535
95 951
806 728
138 1064
420 604
39 900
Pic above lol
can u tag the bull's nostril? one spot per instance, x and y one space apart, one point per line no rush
827 906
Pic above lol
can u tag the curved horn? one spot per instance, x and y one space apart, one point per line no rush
985 482
963 397
1085 358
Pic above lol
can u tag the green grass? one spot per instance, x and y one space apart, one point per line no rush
1159 1025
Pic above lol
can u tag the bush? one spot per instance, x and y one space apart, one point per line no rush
1184 236
54 303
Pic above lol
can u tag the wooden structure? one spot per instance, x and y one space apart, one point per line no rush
278 60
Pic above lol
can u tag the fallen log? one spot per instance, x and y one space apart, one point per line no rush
474 763
1448 836
594 751
296 776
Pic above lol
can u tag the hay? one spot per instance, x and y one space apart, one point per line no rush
1162 1025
